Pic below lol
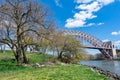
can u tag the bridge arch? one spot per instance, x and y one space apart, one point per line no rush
106 48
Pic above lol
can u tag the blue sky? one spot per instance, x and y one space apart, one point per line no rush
100 18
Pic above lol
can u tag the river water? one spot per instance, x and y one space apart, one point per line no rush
112 66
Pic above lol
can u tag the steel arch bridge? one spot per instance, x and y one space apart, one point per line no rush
106 48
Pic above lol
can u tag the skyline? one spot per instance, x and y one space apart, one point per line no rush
100 18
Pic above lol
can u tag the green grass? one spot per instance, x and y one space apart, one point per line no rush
7 54
8 57
9 70
57 72
39 58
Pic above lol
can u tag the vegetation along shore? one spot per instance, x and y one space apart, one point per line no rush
54 71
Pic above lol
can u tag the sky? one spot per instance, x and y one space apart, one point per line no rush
100 18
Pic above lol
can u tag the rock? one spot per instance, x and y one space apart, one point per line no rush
110 75
49 64
36 65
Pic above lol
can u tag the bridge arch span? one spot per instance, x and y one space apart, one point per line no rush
105 48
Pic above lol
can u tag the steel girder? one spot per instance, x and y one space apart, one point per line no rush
103 47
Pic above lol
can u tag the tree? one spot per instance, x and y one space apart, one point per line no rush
18 20
68 48
118 54
44 39
57 40
72 50
99 56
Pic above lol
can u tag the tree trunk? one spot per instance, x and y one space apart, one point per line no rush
60 55
19 56
25 60
19 47
57 52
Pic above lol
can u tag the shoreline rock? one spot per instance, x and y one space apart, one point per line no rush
110 75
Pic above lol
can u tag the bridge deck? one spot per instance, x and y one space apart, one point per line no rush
92 47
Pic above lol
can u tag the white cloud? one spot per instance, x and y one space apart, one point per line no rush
100 23
91 24
106 40
115 33
79 19
106 2
83 1
75 23
93 7
57 2
86 11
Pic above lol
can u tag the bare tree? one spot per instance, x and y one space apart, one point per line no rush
18 20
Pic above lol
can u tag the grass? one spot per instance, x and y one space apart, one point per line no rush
9 71
39 58
58 72
8 57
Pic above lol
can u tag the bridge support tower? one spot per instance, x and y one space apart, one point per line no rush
113 51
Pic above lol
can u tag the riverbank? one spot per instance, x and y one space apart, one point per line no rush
37 70
110 75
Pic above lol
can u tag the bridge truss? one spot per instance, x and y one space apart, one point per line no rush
106 48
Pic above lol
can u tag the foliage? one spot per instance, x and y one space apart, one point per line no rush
71 51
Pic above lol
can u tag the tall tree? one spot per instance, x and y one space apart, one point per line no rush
68 48
18 19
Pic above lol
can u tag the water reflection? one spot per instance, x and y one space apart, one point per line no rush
113 66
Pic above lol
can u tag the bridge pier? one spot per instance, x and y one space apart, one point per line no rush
114 51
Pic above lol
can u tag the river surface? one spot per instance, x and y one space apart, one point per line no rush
112 66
